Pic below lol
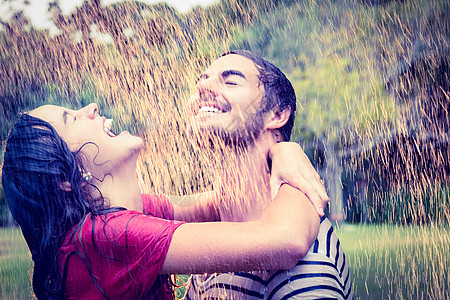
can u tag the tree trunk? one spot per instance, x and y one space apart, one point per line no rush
333 171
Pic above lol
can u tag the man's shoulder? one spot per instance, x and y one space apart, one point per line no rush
327 242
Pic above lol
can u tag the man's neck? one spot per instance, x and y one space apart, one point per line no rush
244 182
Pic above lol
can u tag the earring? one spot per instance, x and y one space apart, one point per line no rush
87 177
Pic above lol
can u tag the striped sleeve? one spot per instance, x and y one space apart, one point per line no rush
322 274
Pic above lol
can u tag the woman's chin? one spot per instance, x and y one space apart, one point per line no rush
140 144
136 143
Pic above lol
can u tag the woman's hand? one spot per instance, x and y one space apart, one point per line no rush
291 165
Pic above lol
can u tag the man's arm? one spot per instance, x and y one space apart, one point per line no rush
199 207
282 236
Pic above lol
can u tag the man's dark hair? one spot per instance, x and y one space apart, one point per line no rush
278 90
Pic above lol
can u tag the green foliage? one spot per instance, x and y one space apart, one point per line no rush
333 97
367 75
334 90
406 206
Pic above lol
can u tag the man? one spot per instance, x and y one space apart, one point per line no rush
243 106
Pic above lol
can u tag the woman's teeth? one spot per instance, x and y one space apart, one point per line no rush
107 127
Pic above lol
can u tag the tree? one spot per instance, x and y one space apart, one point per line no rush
341 58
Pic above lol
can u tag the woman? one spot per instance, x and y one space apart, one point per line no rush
71 185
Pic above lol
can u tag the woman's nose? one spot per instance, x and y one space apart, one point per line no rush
90 110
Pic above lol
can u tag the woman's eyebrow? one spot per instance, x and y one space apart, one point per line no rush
64 115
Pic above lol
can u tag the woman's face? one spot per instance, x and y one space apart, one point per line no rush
85 129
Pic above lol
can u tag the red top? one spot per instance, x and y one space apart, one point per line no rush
124 250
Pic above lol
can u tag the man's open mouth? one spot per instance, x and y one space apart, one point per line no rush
211 109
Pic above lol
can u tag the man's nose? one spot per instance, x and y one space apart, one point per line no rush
208 87
90 110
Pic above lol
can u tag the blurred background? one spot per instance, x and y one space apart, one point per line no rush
372 85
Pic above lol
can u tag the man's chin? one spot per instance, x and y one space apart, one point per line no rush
217 139
204 137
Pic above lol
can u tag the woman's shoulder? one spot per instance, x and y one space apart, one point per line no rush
157 205
121 228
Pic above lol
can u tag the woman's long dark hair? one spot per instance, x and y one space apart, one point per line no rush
36 164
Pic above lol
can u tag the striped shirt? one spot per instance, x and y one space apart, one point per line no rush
322 274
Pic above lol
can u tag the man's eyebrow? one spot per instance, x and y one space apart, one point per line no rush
225 74
228 73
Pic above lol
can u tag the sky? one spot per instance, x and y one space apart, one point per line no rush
37 10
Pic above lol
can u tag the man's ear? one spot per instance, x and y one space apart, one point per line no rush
276 119
65 186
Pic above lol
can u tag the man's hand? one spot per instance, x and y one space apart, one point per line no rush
291 165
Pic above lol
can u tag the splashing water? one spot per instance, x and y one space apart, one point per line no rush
372 84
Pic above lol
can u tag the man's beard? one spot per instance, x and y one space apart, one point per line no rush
239 138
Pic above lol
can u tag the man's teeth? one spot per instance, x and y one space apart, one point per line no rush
208 109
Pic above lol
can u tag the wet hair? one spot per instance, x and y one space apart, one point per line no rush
278 90
36 162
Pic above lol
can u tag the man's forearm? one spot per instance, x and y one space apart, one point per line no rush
199 207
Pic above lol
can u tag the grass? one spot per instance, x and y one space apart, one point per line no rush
387 262
15 265
397 262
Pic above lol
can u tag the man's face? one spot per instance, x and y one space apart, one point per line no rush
227 101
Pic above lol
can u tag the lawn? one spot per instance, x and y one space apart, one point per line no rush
15 263
387 262
398 262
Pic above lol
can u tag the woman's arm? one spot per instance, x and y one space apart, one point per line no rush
276 241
